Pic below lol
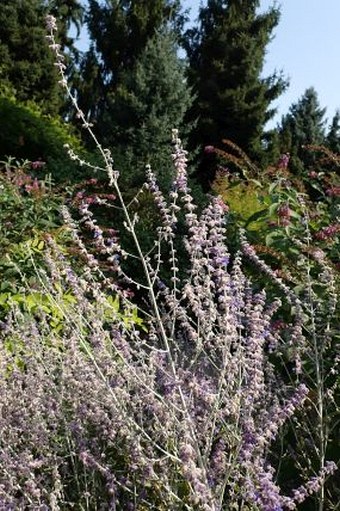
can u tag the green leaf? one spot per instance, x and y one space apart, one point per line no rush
4 298
256 216
273 209
272 237
272 187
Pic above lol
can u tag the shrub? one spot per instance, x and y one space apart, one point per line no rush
29 210
27 133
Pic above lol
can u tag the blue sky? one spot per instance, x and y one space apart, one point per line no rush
306 47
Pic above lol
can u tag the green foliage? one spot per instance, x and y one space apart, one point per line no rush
289 218
279 215
150 101
243 198
27 204
27 133
226 55
26 62
333 135
126 26
59 311
29 215
303 125
37 302
29 210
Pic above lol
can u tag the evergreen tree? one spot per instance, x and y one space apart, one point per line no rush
226 56
26 63
303 125
333 135
119 31
68 13
150 101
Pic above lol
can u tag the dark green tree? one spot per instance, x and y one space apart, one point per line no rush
333 135
69 13
304 125
226 54
119 31
26 63
149 102
31 99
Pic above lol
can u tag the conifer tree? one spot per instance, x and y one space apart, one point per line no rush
333 135
226 54
149 102
119 32
26 63
303 125
68 13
